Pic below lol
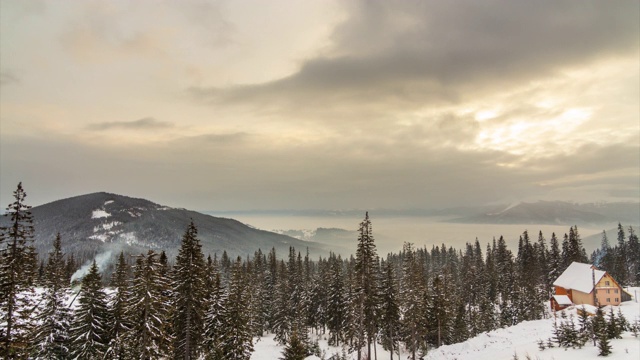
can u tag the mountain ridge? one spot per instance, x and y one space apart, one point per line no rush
101 221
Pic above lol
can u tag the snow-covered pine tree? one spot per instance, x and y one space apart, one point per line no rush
633 249
89 329
336 304
366 267
51 337
237 338
412 303
119 324
189 295
146 310
389 311
214 324
555 258
18 265
295 348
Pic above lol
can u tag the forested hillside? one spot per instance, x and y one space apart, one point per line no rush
215 307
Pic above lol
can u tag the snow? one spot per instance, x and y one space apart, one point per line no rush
99 213
521 339
108 202
578 277
562 299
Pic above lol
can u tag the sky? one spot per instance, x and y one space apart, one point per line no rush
321 104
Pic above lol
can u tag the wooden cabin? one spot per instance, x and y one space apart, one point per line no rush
576 284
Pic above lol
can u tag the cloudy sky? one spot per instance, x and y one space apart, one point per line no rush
246 104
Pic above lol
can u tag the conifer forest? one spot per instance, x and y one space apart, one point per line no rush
211 306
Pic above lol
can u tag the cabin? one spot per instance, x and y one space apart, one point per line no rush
575 286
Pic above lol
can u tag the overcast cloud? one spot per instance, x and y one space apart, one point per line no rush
321 104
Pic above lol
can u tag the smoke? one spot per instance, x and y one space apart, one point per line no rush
101 260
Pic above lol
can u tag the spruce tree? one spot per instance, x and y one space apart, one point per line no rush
51 337
146 310
119 325
390 311
189 296
366 287
237 339
336 304
17 273
295 349
214 326
89 329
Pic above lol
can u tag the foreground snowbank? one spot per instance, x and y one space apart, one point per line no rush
521 339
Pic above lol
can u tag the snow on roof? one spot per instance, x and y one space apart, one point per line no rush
578 277
562 299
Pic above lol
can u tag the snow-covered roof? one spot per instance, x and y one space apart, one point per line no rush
562 299
578 277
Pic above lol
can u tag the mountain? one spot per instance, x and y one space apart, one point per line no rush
558 212
98 222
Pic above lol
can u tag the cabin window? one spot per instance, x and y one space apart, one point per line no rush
608 299
617 300
606 283
608 291
615 291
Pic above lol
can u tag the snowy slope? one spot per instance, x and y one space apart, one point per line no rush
521 339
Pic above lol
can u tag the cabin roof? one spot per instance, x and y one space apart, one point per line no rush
562 300
578 277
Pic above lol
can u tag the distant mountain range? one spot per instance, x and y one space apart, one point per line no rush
98 222
557 212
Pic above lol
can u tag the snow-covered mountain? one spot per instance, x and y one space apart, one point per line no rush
102 221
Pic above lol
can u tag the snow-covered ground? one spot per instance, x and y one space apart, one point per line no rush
521 339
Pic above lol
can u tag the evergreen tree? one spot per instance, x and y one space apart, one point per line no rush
89 329
412 300
604 345
18 266
237 339
621 271
52 335
215 320
119 325
189 296
146 310
390 311
336 304
633 256
366 287
295 349
555 258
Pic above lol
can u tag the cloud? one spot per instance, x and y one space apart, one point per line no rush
147 123
414 53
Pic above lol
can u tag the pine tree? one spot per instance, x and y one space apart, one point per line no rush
633 256
366 287
336 305
51 337
215 320
390 311
237 339
412 300
89 328
119 325
604 345
189 296
295 349
146 310
17 273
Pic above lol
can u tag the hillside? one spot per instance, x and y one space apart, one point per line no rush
102 221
